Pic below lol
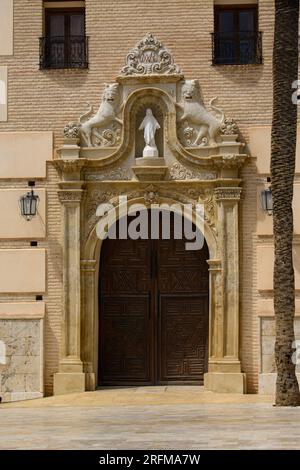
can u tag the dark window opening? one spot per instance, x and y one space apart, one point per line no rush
236 39
64 44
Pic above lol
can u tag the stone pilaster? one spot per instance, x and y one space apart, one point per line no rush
224 368
89 322
70 377
215 308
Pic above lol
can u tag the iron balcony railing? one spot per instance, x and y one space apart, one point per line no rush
64 52
237 48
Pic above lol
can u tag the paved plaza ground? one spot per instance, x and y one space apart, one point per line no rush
149 418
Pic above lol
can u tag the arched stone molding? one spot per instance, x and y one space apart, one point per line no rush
90 279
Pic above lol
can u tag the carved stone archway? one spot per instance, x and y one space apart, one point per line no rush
90 278
188 172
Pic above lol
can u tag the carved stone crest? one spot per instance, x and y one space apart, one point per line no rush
149 57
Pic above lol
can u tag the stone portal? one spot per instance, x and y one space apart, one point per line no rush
199 162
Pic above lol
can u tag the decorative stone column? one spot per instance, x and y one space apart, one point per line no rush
89 321
70 377
215 308
224 368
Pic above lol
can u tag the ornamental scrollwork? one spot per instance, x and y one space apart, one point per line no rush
108 137
149 57
180 172
118 174
93 199
210 209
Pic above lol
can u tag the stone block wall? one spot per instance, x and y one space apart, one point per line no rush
21 366
267 376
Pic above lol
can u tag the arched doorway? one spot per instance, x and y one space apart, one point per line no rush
153 303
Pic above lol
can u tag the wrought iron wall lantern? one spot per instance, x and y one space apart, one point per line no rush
267 199
28 204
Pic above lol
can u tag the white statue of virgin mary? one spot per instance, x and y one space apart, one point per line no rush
150 126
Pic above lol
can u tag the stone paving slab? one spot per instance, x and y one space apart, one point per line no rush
149 418
176 426
139 396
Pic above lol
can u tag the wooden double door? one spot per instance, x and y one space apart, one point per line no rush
153 301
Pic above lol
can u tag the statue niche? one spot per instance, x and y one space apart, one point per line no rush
142 116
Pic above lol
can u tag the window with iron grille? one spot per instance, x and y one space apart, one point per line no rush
236 39
65 43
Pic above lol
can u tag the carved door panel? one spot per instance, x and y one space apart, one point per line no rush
182 312
125 302
153 312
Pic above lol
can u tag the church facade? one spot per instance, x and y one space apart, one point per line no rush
100 117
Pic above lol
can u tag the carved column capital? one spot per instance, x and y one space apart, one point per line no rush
69 165
228 193
214 264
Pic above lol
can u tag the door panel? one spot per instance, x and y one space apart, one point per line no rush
183 308
125 302
182 338
153 312
125 339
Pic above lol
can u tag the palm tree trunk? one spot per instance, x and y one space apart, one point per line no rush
284 131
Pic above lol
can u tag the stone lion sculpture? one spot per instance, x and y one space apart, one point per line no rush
195 113
106 114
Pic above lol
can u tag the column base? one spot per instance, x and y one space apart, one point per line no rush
90 381
68 382
225 382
